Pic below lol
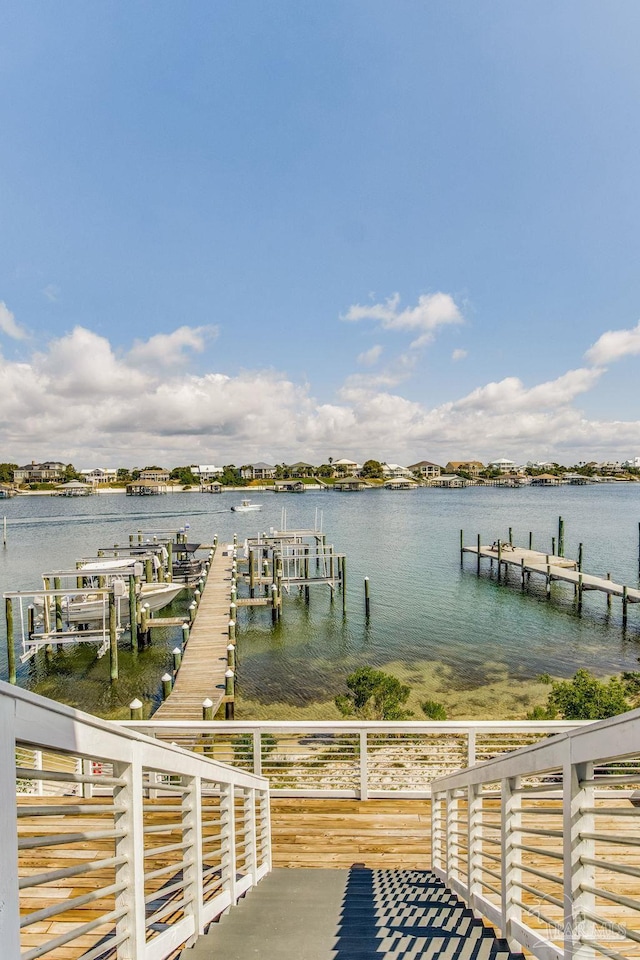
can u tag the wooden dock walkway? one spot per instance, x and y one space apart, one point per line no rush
551 567
204 660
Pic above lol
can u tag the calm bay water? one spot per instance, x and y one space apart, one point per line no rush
443 630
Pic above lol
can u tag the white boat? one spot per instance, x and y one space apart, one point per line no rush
246 507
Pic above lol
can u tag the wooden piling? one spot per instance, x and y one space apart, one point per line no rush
31 620
133 619
462 548
135 709
177 658
11 651
185 635
530 540
58 605
548 584
229 690
625 604
478 557
207 709
553 546
232 631
113 636
523 575
367 601
510 536
560 537
499 559
580 556
580 590
608 595
167 684
344 585
148 570
231 657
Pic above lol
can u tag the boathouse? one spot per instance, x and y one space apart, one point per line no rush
145 488
351 484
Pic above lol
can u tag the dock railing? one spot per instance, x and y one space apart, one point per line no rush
114 844
367 760
545 842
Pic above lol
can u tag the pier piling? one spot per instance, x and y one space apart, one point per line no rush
11 652
367 601
113 637
560 537
135 709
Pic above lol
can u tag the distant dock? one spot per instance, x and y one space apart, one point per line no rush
551 567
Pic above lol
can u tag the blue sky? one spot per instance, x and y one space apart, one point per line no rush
235 231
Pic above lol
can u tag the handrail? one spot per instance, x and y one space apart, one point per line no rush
572 793
170 839
363 759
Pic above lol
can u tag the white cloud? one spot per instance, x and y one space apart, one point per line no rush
76 399
459 354
371 356
8 323
432 311
170 348
613 345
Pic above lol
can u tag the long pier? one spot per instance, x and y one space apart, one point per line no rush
201 676
553 568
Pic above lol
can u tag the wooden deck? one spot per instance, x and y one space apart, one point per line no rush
201 674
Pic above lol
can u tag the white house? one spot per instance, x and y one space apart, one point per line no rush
345 466
504 466
206 471
99 475
393 470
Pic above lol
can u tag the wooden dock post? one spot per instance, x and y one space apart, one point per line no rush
167 684
523 574
11 652
579 556
274 603
113 636
4 533
133 619
58 603
232 631
252 575
580 590
530 540
207 709
553 546
344 585
229 690
367 601
135 709
462 548
548 584
31 620
148 570
231 657
625 604
510 536
499 559
177 658
560 537
608 595
478 557
169 576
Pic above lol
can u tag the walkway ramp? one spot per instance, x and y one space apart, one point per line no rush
356 914
201 674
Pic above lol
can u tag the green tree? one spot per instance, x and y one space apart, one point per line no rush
6 472
584 697
123 474
70 473
184 476
374 695
434 710
231 476
372 469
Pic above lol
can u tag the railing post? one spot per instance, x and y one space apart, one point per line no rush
452 841
474 852
511 873
37 764
9 895
128 816
228 844
257 752
471 747
437 834
265 828
192 853
576 873
364 766
250 847
87 770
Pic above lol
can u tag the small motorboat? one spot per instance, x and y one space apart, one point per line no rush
246 506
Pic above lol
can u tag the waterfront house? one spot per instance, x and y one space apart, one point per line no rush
47 472
473 467
155 475
258 471
502 465
300 469
99 475
206 472
425 469
343 467
546 480
391 470
290 486
145 488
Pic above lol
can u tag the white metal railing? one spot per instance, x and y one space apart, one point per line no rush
114 844
545 842
352 759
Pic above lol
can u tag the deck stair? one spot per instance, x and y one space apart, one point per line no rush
356 914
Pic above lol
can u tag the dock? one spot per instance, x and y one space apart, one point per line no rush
204 660
552 567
